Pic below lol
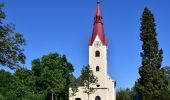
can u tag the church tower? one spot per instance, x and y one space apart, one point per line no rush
98 50
106 87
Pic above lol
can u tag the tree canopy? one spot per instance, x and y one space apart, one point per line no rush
11 44
50 78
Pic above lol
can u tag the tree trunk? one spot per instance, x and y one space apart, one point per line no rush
52 98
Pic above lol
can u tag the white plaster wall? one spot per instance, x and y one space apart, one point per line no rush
108 93
99 61
112 88
84 96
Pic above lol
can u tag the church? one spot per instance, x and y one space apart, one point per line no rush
106 88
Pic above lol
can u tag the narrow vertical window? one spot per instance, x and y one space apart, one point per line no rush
97 68
115 84
97 54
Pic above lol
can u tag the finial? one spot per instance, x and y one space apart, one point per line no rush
98 1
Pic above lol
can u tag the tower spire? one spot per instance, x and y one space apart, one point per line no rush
98 12
98 27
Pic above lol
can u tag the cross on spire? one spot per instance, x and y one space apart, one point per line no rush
98 1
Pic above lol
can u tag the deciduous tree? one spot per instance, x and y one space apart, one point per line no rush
53 73
11 44
89 79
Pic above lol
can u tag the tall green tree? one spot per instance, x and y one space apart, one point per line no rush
89 80
152 82
11 44
53 73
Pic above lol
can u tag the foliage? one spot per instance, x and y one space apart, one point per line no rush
74 87
53 73
152 82
5 81
49 78
88 79
22 82
125 94
166 70
11 43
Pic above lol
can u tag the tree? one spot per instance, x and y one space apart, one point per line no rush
53 73
152 82
49 79
53 81
11 44
125 94
74 87
22 83
89 79
68 75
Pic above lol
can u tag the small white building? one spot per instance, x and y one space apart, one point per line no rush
106 88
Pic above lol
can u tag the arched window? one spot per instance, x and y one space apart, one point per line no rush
97 98
97 68
97 54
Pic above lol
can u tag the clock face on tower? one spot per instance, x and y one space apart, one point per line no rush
97 44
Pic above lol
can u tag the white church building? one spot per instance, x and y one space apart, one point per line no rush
106 87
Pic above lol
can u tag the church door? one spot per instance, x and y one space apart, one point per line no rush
78 99
97 98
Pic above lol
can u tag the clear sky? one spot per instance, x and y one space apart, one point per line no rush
65 26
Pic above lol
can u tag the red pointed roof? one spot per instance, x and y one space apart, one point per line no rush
98 27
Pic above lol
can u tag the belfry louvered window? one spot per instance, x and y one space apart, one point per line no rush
97 53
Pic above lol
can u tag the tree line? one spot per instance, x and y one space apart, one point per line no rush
49 79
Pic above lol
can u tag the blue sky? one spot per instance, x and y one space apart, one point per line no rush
65 26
